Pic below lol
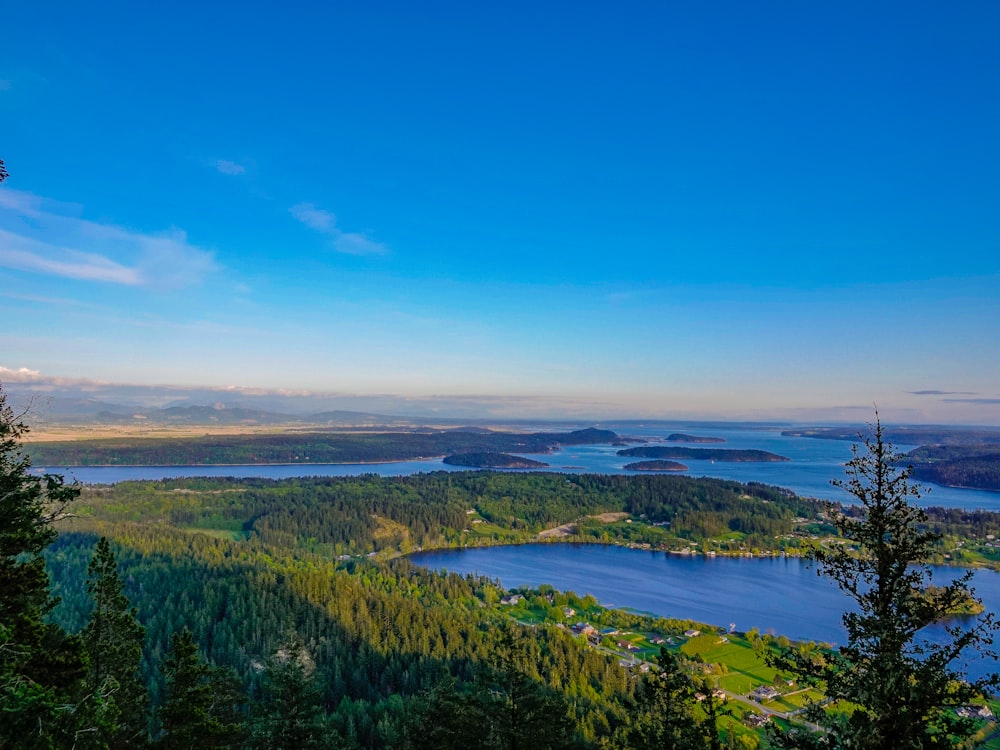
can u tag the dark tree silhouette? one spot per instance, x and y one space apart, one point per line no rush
900 690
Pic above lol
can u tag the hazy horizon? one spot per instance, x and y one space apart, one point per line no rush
52 396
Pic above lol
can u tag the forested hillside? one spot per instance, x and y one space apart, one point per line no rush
958 465
252 565
297 590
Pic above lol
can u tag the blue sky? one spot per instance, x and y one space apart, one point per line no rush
741 210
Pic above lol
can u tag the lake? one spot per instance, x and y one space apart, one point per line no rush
783 596
813 464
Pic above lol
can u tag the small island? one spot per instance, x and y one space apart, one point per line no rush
680 437
965 606
491 460
656 465
703 454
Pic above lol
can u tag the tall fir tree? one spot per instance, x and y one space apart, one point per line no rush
201 703
902 689
113 640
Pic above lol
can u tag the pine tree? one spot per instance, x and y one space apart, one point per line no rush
291 716
201 704
902 689
664 716
113 642
39 662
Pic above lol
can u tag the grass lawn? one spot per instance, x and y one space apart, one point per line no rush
746 669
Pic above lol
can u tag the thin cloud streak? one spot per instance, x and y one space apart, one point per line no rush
941 393
51 242
26 254
230 167
324 222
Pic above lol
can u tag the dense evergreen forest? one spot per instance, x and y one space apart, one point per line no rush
975 466
249 566
302 448
285 613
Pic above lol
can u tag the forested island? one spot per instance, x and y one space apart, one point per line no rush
702 454
488 460
655 465
303 448
680 437
976 466
951 456
905 434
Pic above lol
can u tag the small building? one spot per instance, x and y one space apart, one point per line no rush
765 693
512 599
974 712
692 633
584 628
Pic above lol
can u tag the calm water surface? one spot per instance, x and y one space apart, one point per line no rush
783 596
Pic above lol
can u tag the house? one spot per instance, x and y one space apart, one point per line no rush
656 640
569 611
584 628
974 712
692 633
512 599
757 720
765 693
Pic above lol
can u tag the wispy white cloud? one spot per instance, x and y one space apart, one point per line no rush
230 167
46 237
27 254
352 243
324 222
315 218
